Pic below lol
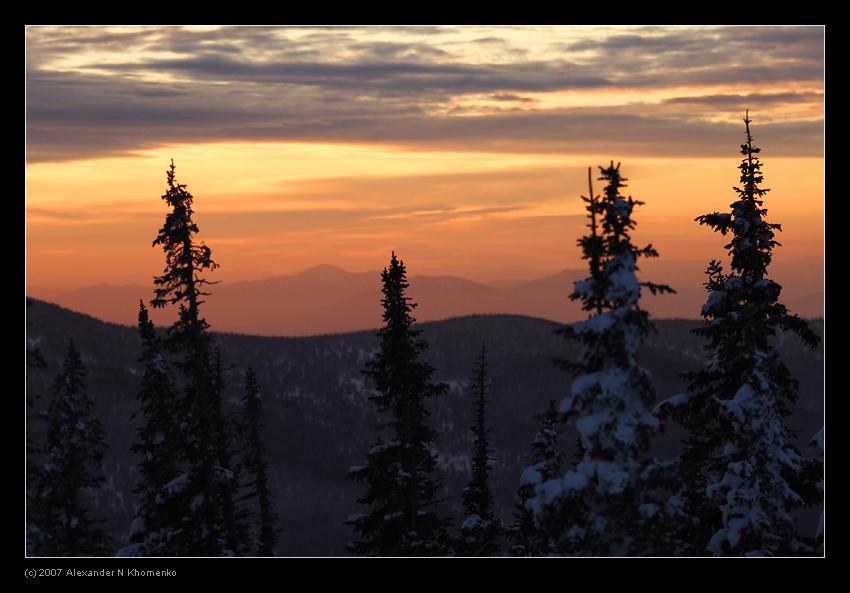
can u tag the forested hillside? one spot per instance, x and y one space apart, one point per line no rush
319 422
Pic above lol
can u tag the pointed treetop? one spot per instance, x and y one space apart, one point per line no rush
73 361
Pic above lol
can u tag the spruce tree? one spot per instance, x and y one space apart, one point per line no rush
208 530
400 499
480 531
741 472
158 528
609 504
255 467
60 522
527 537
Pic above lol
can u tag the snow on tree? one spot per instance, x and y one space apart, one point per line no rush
400 498
208 528
742 476
480 531
60 524
609 503
526 536
254 465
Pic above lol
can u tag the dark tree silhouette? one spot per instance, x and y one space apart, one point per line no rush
607 504
60 522
157 529
527 537
208 525
254 466
740 471
400 518
480 532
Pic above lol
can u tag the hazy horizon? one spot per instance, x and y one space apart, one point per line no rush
329 299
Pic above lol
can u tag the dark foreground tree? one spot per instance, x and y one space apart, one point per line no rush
742 476
207 483
608 503
527 537
400 517
480 531
255 468
157 529
60 521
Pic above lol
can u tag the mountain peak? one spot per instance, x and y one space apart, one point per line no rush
324 271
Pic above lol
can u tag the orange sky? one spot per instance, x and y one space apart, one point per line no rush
502 217
464 149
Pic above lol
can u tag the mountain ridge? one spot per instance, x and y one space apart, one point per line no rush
320 422
328 299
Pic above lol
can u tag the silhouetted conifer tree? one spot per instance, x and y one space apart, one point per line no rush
608 503
480 531
158 528
527 537
255 468
208 528
60 522
400 498
740 471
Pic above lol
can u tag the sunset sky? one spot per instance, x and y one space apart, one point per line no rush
462 148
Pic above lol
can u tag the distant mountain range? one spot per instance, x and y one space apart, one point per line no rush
327 299
320 422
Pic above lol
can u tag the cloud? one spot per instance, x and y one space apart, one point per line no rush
79 128
719 42
708 55
372 77
735 101
154 86
511 97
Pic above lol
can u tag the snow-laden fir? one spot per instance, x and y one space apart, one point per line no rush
741 479
606 503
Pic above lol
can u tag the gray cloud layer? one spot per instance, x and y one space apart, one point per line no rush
340 84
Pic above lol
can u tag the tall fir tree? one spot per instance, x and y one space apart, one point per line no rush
158 528
400 499
60 521
528 537
741 472
480 531
255 467
609 504
207 527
